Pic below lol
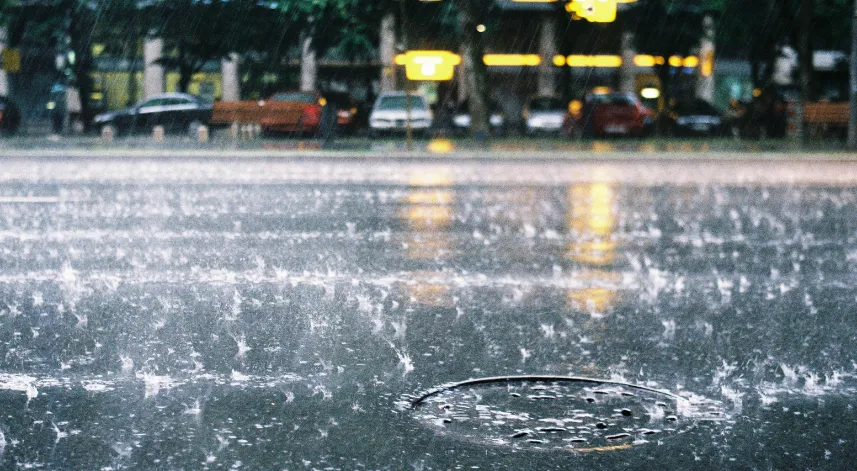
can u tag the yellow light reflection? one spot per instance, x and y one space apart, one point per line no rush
440 146
429 288
591 218
511 60
429 211
421 217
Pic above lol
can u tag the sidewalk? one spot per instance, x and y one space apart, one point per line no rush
362 148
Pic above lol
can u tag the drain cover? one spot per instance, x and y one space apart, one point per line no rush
558 412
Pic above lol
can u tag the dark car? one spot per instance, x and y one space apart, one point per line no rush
766 115
694 118
610 114
496 119
10 116
347 109
176 112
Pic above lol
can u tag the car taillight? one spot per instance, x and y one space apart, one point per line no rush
312 113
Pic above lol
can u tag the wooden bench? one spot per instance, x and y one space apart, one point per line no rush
832 114
265 113
825 120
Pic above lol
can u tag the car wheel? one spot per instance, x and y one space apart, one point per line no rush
109 127
193 128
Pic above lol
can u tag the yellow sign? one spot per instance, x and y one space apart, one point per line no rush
707 63
511 60
595 11
12 60
429 65
594 61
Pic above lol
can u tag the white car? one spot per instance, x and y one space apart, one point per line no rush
390 113
544 115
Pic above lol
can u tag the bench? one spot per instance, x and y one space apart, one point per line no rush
266 113
826 119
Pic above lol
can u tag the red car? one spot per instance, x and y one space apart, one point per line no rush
610 114
308 121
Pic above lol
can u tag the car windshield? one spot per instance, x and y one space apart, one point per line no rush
547 104
616 99
294 97
393 103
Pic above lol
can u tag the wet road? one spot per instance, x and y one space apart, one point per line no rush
264 314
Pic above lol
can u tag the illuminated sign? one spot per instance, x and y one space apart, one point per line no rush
511 60
429 65
707 63
645 60
595 11
594 61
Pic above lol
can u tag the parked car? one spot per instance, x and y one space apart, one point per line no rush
544 115
347 111
765 115
461 118
176 112
310 119
390 113
610 114
10 116
694 118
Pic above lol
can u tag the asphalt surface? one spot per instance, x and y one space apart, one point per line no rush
258 313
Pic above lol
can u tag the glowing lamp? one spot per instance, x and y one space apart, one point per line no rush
429 65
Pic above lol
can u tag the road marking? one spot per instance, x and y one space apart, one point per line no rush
29 199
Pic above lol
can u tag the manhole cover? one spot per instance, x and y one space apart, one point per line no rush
559 412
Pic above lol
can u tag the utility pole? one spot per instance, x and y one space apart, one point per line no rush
409 132
852 84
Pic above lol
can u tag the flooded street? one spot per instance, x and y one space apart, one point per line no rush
262 314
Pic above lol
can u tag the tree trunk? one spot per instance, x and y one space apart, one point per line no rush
663 71
476 74
805 61
81 44
185 70
309 65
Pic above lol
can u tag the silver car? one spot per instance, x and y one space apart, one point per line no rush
544 115
391 113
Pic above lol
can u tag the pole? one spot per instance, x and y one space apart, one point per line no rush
852 86
409 133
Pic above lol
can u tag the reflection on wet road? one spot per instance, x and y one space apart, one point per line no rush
259 314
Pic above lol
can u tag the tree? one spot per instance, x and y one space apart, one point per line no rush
69 27
470 13
199 32
666 28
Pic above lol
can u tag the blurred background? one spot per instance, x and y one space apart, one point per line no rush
580 68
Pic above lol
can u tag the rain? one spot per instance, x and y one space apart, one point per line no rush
428 234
